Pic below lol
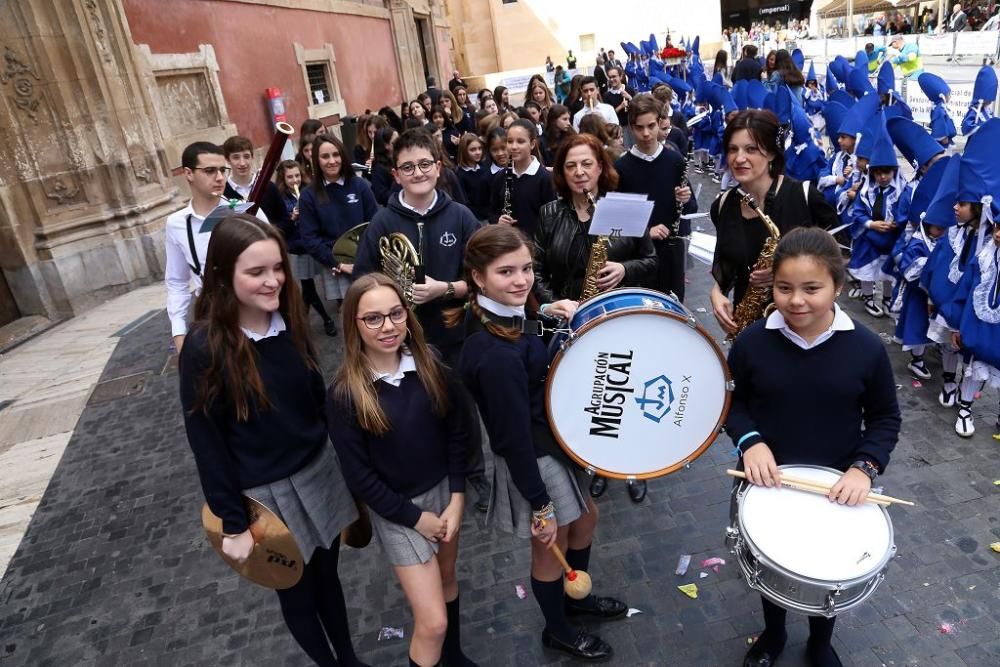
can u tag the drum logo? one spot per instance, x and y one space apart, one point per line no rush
657 397
612 372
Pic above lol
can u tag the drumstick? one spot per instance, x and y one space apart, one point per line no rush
578 583
824 489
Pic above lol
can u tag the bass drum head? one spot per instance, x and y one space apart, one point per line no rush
637 393
808 536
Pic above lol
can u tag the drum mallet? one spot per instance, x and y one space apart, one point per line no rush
577 583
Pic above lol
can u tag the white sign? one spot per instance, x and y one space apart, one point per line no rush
936 45
958 102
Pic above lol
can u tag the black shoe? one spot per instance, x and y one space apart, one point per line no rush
330 327
598 486
482 492
584 647
603 608
636 489
760 655
824 657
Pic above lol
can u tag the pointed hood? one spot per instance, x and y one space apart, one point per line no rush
927 188
913 141
841 69
783 103
859 115
886 79
979 177
883 153
798 59
985 89
811 74
696 44
842 96
934 87
941 210
858 83
833 113
831 81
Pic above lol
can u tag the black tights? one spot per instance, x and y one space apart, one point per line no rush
316 604
311 297
820 632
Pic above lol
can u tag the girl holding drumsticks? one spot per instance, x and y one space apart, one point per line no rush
812 387
392 416
536 490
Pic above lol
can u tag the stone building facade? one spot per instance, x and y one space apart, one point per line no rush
99 97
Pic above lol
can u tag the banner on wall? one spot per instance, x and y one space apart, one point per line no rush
958 102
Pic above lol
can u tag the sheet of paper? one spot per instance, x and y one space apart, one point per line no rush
702 247
221 212
620 214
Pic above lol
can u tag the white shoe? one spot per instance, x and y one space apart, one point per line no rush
854 291
963 425
947 396
873 308
918 368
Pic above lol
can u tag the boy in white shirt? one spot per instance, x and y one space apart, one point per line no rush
592 104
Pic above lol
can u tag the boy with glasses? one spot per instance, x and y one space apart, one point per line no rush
205 169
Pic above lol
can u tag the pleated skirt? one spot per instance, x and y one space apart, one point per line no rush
510 512
404 545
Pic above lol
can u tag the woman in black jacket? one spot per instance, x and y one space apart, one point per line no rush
562 238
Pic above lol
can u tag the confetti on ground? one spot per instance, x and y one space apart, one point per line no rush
690 590
977 395
701 310
521 593
390 633
946 629
996 547
703 575
682 564
751 639
898 387
996 482
632 611
917 384
713 563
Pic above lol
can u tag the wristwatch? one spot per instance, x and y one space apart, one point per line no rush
867 467
450 292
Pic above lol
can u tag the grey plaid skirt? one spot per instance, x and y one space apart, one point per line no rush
334 287
511 513
314 502
404 545
304 266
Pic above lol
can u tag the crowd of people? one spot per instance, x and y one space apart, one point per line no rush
497 202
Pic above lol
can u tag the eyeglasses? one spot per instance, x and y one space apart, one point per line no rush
375 320
408 168
212 171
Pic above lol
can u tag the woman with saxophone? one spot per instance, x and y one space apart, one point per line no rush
581 174
744 239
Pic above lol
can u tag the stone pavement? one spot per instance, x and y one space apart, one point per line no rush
114 568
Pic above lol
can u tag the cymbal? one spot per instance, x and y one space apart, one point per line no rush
275 561
345 249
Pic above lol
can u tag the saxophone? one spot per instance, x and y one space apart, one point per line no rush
596 261
754 303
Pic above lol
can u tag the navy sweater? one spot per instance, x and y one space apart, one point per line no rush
447 228
507 379
419 450
657 179
830 405
272 444
528 194
321 223
476 185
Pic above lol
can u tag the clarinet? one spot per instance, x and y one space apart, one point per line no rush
675 227
508 209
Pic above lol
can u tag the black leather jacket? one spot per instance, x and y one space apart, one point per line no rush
562 247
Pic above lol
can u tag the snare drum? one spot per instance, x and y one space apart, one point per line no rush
638 389
803 552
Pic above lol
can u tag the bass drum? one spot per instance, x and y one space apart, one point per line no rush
638 389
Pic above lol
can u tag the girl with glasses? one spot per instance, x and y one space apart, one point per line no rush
390 387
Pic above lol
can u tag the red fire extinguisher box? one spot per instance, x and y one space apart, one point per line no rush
276 104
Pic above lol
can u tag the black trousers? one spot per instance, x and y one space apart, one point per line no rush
670 254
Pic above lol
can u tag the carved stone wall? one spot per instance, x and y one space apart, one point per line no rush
84 176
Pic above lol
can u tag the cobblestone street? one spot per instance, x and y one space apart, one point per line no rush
114 568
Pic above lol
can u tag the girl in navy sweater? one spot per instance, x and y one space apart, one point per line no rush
253 408
812 387
301 263
528 183
536 490
336 201
392 414
474 175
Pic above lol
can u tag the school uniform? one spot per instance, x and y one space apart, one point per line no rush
529 191
344 204
301 263
413 468
383 183
657 175
270 200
